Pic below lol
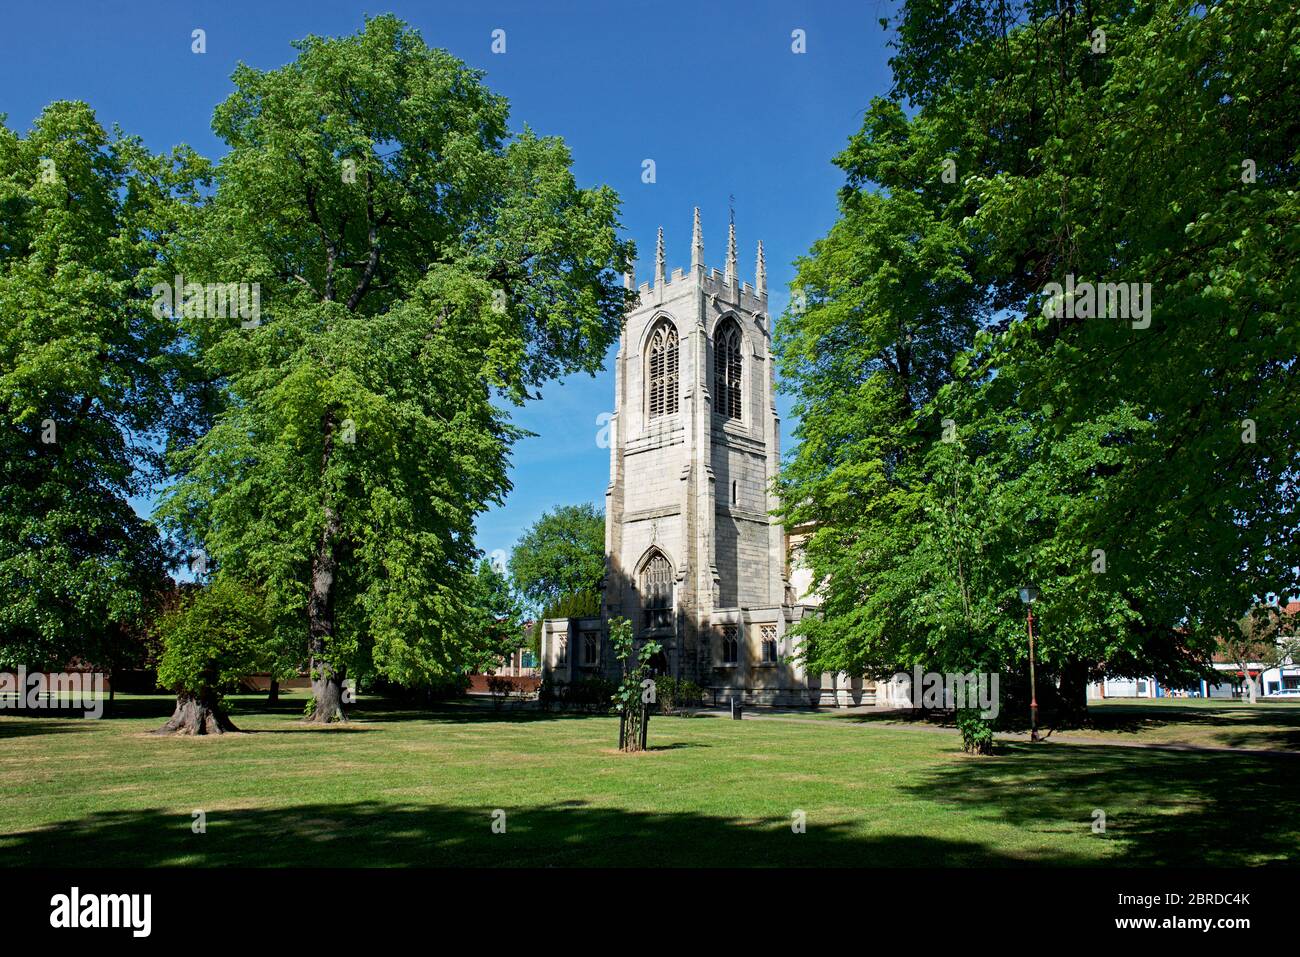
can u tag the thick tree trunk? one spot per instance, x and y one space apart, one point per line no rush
327 690
1250 685
198 713
274 696
326 678
1074 692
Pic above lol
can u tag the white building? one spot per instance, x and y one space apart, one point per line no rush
1231 684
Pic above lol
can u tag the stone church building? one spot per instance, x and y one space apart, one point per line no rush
694 557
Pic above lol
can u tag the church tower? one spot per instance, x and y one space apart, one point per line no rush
694 556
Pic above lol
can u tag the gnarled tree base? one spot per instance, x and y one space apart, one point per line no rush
197 714
327 700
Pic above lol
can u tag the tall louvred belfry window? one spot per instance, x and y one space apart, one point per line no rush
663 371
726 370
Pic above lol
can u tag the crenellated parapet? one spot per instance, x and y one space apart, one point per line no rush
721 284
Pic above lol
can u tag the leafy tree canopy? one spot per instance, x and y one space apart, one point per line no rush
416 261
958 439
498 619
215 634
562 553
92 382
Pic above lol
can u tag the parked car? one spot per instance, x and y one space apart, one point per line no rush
1291 693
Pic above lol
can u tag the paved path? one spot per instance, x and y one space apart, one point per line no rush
1017 736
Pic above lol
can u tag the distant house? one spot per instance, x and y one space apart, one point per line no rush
521 665
1124 688
1231 683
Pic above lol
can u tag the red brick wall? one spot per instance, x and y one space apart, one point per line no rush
478 684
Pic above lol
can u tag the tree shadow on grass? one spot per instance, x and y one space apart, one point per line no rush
370 710
1273 739
1167 808
304 728
1263 726
380 711
1244 726
1126 717
915 717
373 834
16 727
143 706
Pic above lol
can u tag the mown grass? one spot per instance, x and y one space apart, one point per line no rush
397 787
1196 722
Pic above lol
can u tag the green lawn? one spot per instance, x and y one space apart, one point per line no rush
1199 722
1271 725
409 788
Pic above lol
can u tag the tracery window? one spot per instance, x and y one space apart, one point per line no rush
657 592
662 372
730 645
726 369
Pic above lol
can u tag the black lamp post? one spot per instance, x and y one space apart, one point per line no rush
1029 595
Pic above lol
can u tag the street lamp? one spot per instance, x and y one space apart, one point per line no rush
1029 595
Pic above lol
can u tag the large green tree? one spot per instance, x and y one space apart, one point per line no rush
563 552
1265 638
498 620
417 264
91 383
1139 469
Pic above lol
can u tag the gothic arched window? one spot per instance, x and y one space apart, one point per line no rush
657 592
726 369
662 372
730 644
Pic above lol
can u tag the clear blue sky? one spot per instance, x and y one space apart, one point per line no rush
712 93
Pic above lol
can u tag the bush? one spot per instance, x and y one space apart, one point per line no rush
976 732
548 693
216 634
588 694
501 687
674 696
